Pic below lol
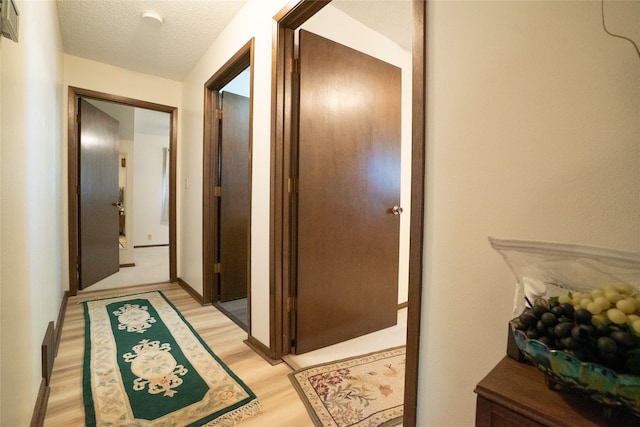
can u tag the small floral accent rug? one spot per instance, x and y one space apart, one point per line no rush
145 366
361 391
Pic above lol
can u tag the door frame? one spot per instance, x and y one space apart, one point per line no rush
73 177
242 59
286 21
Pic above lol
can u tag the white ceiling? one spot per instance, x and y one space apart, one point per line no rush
113 31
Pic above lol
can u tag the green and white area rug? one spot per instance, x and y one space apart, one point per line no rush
144 365
360 391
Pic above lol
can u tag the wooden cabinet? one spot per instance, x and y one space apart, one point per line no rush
515 394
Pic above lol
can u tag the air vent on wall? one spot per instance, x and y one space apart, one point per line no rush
9 22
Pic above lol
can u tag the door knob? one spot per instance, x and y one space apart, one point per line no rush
396 210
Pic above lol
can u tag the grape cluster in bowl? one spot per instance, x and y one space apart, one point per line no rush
601 326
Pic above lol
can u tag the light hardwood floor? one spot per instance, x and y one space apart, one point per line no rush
281 405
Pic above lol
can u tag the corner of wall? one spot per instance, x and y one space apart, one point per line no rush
31 244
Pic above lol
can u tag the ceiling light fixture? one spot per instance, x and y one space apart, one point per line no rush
152 17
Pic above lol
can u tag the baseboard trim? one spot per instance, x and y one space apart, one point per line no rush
196 296
151 246
40 408
403 305
60 321
262 350
129 264
48 353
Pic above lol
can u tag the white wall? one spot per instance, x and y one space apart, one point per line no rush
147 187
88 74
533 132
31 251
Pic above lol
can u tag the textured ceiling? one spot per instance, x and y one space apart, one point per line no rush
113 31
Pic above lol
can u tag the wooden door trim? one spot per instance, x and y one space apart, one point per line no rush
285 22
74 93
416 233
235 65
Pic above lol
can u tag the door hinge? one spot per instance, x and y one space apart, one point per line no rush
216 268
291 304
294 65
217 191
219 113
292 185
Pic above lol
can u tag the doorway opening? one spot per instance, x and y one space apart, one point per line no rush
227 187
122 205
283 171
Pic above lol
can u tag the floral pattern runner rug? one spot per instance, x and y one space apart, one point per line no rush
144 365
361 391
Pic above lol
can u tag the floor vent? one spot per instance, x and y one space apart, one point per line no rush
48 353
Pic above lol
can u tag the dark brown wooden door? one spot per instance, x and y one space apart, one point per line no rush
99 215
234 199
349 182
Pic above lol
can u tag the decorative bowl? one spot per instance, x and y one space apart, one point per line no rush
598 382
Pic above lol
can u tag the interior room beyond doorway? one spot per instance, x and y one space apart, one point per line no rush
165 205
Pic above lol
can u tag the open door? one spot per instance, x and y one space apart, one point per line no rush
348 196
98 195
234 198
